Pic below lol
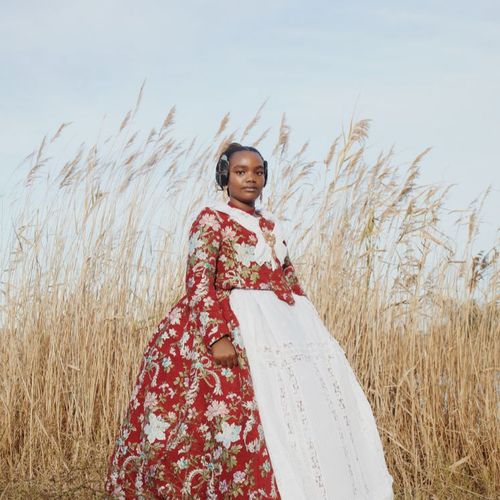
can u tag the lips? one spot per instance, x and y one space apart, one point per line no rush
250 189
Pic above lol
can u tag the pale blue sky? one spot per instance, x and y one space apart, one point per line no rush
427 74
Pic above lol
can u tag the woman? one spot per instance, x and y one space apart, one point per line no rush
242 391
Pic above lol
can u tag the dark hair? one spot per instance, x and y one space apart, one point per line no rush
222 169
236 146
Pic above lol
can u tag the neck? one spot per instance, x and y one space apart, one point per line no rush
242 206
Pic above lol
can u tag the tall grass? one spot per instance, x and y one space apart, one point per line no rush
96 258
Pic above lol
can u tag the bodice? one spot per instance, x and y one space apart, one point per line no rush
231 248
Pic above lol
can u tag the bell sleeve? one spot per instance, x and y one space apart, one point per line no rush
203 252
291 276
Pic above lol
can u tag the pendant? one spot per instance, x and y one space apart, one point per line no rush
271 240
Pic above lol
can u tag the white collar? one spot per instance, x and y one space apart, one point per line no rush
263 251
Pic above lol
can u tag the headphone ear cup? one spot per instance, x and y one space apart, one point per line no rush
218 174
225 172
222 173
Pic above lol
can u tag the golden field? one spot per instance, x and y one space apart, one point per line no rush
95 258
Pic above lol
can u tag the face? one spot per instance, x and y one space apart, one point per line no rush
246 176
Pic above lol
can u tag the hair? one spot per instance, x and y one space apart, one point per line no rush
234 147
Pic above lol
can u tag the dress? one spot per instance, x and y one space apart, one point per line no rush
291 421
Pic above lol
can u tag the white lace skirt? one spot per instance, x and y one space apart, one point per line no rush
319 427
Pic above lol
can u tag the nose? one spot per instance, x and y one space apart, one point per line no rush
251 178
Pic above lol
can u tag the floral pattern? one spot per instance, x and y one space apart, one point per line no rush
192 428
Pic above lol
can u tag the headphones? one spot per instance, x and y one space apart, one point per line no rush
222 170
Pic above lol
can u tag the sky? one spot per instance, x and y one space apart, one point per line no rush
427 74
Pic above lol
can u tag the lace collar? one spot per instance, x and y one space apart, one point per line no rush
263 252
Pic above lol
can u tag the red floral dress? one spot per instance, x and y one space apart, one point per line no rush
192 428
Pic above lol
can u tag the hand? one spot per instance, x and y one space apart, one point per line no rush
224 353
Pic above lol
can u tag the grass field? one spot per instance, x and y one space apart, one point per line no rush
95 258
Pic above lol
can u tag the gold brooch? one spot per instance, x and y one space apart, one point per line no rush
270 237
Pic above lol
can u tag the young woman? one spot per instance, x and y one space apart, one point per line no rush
242 391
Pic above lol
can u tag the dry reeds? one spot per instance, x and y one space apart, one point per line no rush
96 258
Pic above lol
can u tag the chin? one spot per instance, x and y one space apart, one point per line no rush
250 196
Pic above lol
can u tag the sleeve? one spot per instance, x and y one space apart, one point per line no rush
291 276
204 243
